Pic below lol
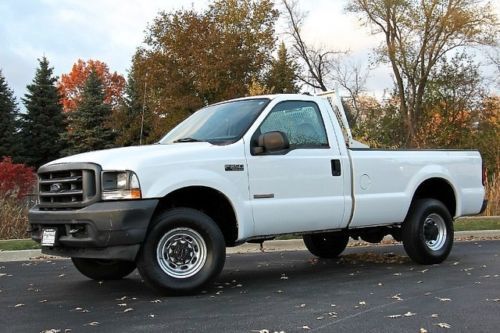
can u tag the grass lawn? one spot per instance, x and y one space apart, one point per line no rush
470 224
18 244
462 224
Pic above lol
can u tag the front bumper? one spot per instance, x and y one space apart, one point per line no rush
104 230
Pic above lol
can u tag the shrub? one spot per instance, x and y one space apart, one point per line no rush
493 194
13 218
16 182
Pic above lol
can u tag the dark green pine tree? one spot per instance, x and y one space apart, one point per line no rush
43 125
127 119
282 76
8 120
90 124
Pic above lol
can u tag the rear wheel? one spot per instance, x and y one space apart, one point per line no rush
428 232
101 269
183 252
326 245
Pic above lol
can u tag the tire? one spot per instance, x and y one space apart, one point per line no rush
427 232
326 245
101 269
183 252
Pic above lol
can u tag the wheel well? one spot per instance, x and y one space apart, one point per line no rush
209 201
439 189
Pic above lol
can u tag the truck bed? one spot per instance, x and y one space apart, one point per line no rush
384 181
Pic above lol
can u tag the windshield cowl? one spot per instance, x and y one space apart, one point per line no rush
182 140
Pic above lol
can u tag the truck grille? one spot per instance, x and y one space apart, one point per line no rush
68 186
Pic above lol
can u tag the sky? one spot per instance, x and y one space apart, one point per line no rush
111 30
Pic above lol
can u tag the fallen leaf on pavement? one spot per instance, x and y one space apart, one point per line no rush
444 299
394 316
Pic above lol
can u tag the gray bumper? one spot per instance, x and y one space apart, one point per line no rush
484 206
106 230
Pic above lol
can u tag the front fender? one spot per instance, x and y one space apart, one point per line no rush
234 187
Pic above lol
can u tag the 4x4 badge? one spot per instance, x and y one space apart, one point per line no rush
234 167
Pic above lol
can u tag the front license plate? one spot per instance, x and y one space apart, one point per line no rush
49 237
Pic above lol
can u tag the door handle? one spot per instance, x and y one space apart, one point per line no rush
336 169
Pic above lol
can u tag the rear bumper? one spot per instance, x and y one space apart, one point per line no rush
106 230
483 207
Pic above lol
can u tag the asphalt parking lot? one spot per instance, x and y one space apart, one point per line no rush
369 289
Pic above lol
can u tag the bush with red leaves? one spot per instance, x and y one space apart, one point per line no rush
16 180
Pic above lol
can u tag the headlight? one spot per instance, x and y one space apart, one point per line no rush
119 185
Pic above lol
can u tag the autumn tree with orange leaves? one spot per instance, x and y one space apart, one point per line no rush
71 85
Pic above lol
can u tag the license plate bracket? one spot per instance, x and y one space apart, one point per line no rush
49 236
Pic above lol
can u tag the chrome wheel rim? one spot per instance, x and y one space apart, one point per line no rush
434 232
181 253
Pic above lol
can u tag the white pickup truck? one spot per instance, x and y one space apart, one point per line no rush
247 170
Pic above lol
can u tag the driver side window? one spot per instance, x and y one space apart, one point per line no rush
301 121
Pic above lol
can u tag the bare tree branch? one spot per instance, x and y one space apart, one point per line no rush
316 63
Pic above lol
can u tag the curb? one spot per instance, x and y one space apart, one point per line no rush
269 246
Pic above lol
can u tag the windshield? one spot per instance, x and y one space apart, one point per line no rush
222 123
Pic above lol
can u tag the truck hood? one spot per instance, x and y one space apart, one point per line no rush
131 158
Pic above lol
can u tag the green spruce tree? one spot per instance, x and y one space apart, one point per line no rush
282 76
43 125
90 124
128 118
8 120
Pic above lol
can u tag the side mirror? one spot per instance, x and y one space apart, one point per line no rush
271 142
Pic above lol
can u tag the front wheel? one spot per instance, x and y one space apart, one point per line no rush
428 232
183 252
101 269
328 244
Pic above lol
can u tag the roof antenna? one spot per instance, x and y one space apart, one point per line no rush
143 109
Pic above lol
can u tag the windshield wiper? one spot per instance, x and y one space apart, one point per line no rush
188 140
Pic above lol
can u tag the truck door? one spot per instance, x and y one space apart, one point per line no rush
300 188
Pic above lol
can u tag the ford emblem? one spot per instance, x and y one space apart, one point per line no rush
56 187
